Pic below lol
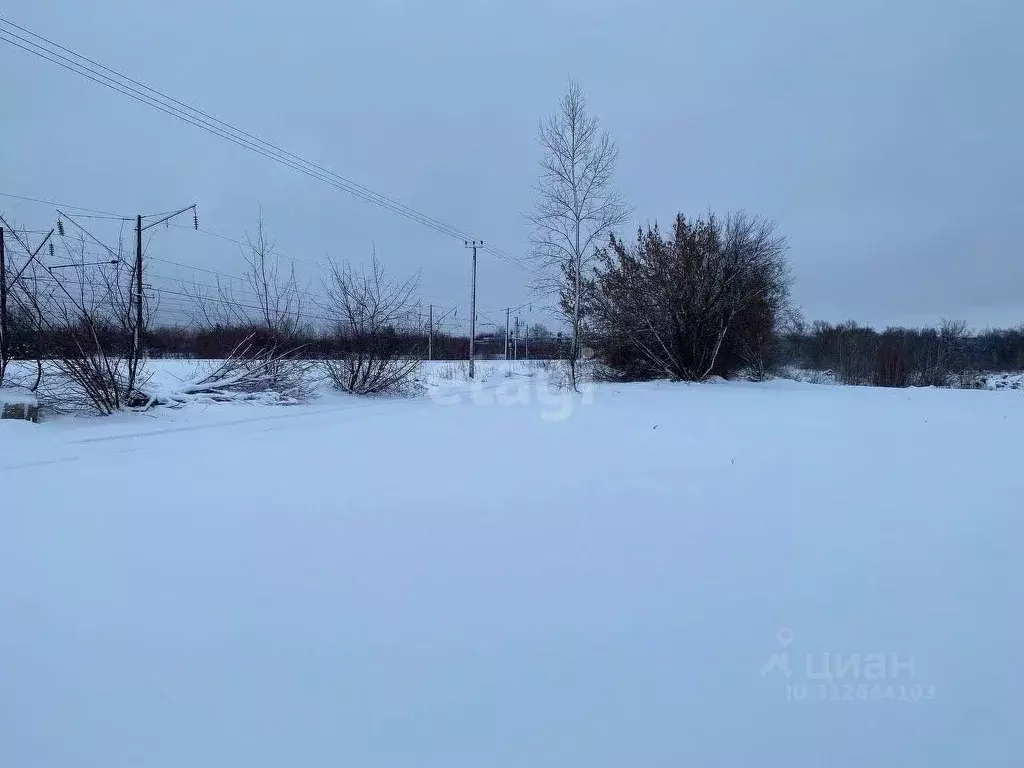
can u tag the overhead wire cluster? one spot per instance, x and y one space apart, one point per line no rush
178 294
72 61
176 299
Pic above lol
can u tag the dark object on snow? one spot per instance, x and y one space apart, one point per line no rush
22 410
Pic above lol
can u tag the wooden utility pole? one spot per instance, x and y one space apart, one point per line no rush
430 332
139 229
3 308
140 316
137 339
508 311
474 244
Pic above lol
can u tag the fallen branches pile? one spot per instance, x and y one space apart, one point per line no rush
269 376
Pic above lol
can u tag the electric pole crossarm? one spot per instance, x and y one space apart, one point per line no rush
62 217
170 216
31 253
85 264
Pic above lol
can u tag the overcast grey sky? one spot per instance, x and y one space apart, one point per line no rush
883 137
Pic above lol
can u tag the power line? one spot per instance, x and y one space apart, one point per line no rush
207 119
219 235
245 244
143 98
102 214
227 238
81 250
121 83
183 301
272 251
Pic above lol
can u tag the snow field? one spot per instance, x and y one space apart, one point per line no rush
459 580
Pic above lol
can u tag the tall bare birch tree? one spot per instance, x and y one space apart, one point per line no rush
575 208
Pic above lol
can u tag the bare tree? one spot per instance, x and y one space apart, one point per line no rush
113 303
23 336
369 311
77 320
31 320
278 294
81 318
274 301
91 327
82 314
5 336
575 208
272 309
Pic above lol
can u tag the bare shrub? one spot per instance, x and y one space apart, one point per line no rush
451 371
87 329
23 331
275 313
818 377
275 299
369 353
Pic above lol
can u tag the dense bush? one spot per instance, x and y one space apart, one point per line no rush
704 302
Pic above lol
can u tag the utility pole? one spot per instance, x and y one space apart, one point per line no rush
3 308
527 332
430 333
508 310
137 340
140 319
474 244
515 342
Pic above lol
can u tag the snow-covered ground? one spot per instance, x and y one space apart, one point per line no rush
642 575
1003 381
